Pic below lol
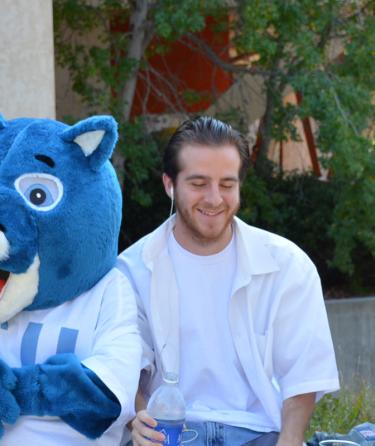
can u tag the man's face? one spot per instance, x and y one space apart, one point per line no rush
207 196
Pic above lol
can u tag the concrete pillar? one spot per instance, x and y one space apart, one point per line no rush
27 79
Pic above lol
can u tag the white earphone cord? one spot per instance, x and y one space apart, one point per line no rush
172 204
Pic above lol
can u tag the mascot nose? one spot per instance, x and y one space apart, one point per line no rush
18 230
10 201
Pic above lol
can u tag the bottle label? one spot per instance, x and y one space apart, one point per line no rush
172 431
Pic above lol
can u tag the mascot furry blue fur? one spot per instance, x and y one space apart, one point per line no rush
69 345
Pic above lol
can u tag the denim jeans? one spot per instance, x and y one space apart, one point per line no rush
219 434
216 434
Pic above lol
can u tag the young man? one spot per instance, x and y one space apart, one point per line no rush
236 311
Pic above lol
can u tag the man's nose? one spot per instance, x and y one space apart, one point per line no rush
213 196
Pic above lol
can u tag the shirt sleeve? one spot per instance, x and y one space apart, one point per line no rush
116 352
304 358
128 264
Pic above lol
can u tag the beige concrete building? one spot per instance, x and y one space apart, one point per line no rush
27 76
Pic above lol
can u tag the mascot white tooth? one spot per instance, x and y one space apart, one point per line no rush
69 345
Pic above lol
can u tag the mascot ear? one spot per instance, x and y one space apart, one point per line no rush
3 123
96 137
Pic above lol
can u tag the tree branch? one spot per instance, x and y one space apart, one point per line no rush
174 105
217 60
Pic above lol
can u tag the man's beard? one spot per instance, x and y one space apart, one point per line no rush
196 232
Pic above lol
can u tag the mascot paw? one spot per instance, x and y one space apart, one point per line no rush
9 408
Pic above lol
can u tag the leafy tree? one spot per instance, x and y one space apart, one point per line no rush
296 43
104 73
322 49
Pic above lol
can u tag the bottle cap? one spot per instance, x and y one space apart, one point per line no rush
170 378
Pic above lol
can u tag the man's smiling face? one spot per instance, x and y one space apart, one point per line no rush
207 196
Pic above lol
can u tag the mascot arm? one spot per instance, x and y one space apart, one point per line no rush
63 387
9 408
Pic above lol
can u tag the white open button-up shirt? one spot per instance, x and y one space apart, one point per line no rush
277 315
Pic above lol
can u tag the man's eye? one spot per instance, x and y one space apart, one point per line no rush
227 186
198 184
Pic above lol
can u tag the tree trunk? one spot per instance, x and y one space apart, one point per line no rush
273 86
265 128
135 52
138 21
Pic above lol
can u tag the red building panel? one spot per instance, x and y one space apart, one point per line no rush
182 78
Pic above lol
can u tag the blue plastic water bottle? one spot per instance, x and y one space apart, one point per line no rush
167 406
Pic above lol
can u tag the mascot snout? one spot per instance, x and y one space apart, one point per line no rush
19 261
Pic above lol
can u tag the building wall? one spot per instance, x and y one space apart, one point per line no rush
27 79
68 103
353 332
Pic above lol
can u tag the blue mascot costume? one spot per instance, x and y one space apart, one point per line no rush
69 346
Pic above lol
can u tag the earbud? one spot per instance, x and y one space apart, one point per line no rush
171 192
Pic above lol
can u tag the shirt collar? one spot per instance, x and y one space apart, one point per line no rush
157 241
254 254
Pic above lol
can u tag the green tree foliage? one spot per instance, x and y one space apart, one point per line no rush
323 49
103 65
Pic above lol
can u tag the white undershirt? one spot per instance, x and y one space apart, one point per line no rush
211 378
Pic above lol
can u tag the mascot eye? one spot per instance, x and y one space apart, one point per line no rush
40 191
39 195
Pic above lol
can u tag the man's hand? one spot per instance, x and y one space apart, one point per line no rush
9 408
143 432
296 415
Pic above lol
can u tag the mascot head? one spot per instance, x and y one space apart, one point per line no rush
60 210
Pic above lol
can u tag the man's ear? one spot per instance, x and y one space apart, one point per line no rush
96 137
168 186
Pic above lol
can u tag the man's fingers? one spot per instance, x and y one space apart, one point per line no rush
139 440
143 432
143 416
